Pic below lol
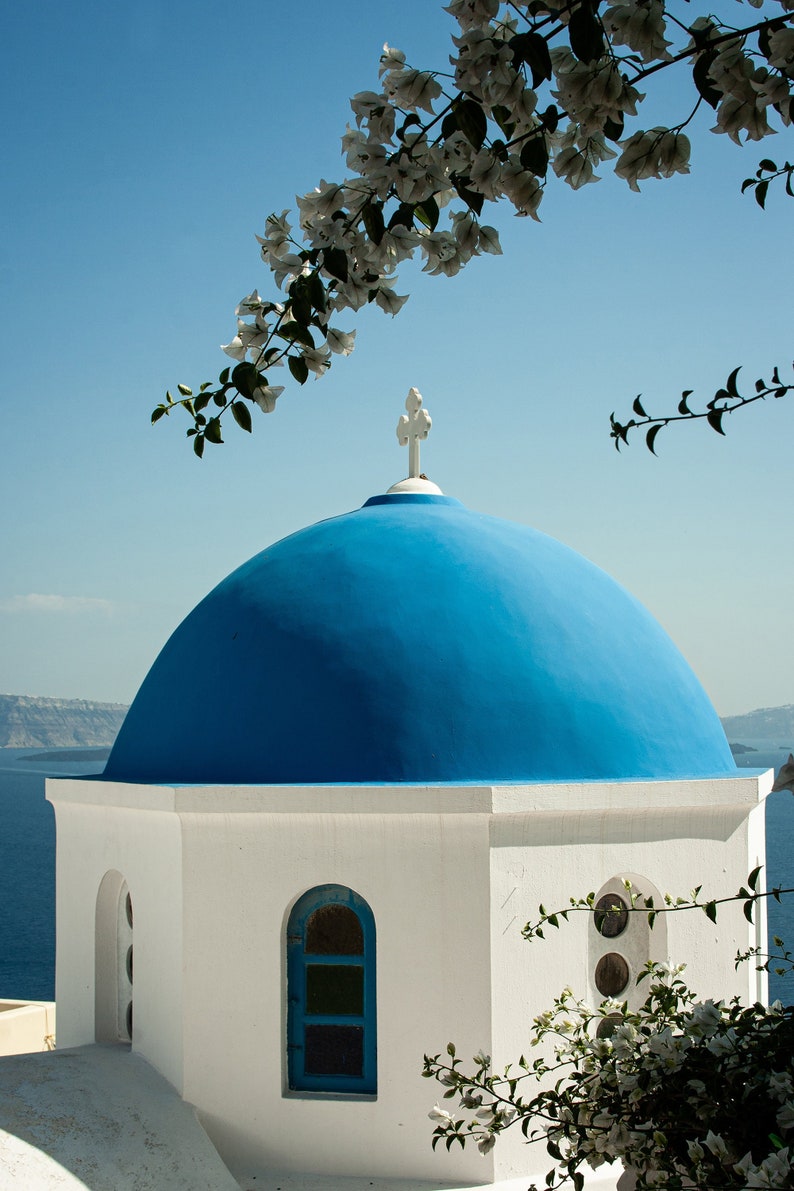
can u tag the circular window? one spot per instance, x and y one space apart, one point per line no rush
608 1025
611 974
611 915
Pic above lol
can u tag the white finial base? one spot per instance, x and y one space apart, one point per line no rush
415 484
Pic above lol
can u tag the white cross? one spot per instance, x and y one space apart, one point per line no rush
411 429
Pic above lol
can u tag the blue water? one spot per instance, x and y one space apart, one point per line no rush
27 868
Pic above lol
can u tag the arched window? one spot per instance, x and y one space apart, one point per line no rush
113 960
331 1040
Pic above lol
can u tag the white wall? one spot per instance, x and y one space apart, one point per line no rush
451 876
143 845
546 857
425 878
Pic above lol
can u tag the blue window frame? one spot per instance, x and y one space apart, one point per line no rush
331 1024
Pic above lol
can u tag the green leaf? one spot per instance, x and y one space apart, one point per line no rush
650 439
409 120
747 910
299 368
242 415
198 445
168 397
213 431
760 193
584 34
245 378
297 334
683 408
502 117
613 129
403 216
534 155
533 49
730 384
427 213
710 910
374 225
300 299
637 407
449 124
703 81
224 376
714 419
451 1049
766 164
471 121
550 118
335 263
752 880
158 413
185 391
472 198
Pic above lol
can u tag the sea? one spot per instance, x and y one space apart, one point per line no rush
27 862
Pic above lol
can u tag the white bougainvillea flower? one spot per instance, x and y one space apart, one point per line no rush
441 1116
391 59
640 25
266 396
387 299
472 12
340 342
488 240
236 348
412 89
316 359
781 50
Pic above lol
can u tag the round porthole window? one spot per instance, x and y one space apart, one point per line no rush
611 915
608 1025
611 974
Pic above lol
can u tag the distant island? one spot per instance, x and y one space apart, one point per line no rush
771 722
739 749
28 721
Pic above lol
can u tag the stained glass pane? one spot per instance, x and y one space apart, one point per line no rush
611 915
335 988
611 974
334 1050
334 930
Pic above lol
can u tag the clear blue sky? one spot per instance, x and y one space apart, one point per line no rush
144 147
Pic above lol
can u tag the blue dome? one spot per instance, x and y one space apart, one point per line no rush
416 641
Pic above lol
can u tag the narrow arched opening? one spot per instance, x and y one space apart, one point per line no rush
113 960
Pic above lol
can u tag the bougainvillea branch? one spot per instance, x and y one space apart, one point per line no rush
684 1093
725 401
539 93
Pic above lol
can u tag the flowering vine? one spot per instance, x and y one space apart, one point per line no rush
537 90
686 1094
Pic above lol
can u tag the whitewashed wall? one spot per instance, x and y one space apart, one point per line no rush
451 876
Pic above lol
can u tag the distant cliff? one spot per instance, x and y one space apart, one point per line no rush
765 722
30 722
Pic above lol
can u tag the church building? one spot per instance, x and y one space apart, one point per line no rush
347 782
